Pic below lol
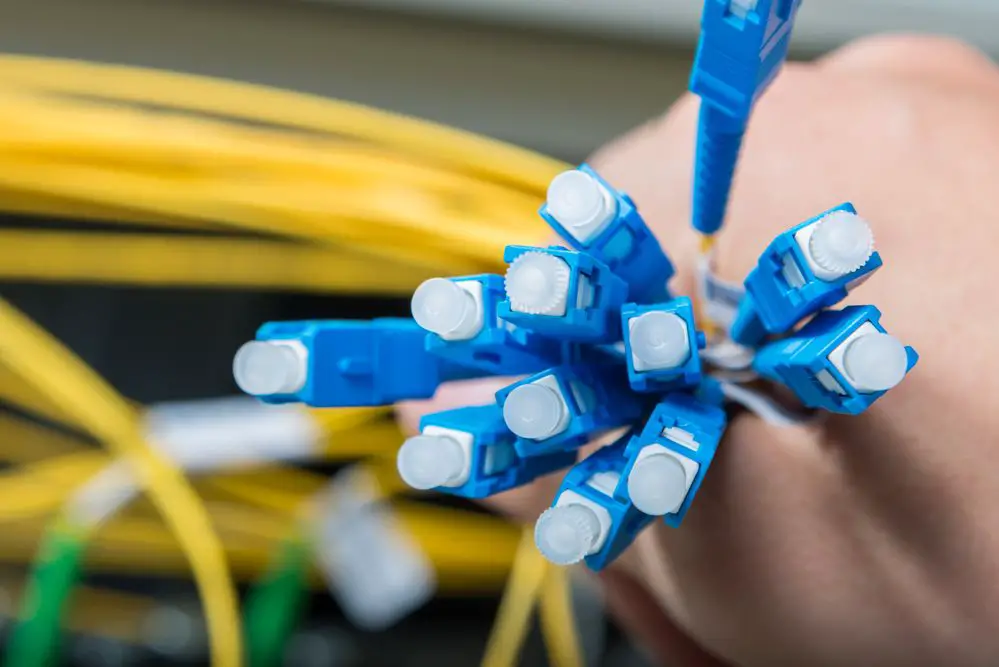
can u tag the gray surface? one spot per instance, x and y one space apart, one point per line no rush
559 94
823 24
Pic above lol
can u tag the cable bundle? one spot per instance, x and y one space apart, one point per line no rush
225 184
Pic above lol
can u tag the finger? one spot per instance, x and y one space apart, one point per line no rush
645 622
944 59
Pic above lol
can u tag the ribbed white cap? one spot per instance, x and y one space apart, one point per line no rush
841 243
538 283
566 534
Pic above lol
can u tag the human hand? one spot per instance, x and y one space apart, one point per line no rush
862 540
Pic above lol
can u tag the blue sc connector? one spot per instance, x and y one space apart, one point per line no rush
742 48
661 346
462 317
841 361
469 452
342 363
563 294
563 408
808 268
594 218
668 460
588 522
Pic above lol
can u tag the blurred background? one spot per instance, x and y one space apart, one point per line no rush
558 77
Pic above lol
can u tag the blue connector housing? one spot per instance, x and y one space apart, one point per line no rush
812 362
494 465
592 298
783 289
740 53
593 481
624 243
741 50
361 363
581 401
653 367
500 347
685 428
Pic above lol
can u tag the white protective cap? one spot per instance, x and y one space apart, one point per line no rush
658 340
566 534
264 368
579 202
534 411
875 362
442 307
538 283
841 243
657 484
429 461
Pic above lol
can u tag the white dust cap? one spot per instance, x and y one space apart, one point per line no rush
659 340
567 533
657 484
429 461
534 411
579 201
875 362
263 368
538 283
442 307
841 243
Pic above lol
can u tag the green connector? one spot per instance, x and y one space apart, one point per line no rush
276 602
35 641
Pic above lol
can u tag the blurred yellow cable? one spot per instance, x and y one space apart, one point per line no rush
15 391
41 486
168 260
558 624
48 205
450 537
23 441
418 197
315 212
94 611
53 369
336 420
37 489
491 158
517 606
58 128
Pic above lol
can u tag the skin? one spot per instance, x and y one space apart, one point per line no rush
860 540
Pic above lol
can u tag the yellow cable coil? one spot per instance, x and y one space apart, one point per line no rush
332 187
32 354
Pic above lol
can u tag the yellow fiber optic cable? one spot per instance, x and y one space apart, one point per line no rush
24 441
56 371
98 612
171 261
450 537
296 209
48 205
517 606
558 625
284 109
56 128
